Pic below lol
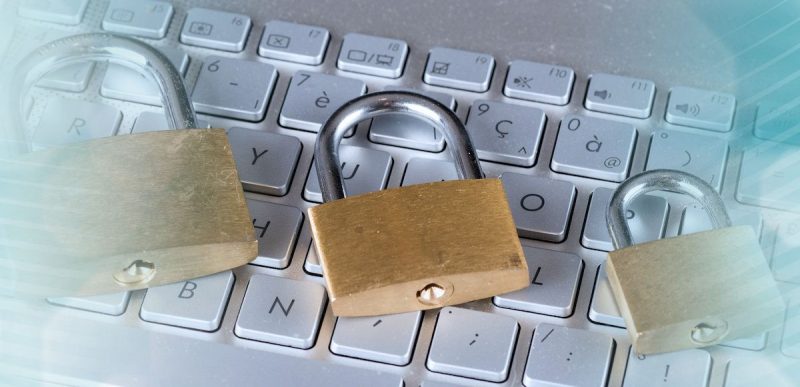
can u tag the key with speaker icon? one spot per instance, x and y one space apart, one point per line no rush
702 109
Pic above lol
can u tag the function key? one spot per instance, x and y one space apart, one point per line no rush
778 121
373 55
216 29
59 11
539 82
471 71
616 94
292 42
147 18
701 108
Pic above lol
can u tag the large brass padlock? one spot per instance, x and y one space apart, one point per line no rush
416 247
693 290
123 212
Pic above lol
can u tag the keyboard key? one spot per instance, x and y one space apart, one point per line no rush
690 368
786 255
156 121
216 29
364 170
292 42
113 304
54 11
604 309
276 228
616 94
67 121
386 339
281 311
146 18
778 121
420 171
126 84
506 133
312 264
373 55
700 108
695 220
561 356
313 97
410 132
541 207
772 371
266 161
473 344
234 88
752 343
593 147
647 218
471 71
196 304
554 284
74 78
539 82
790 345
702 156
769 177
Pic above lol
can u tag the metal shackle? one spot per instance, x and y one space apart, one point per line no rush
100 46
661 180
326 152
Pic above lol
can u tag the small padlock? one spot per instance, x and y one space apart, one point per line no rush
124 212
417 247
693 290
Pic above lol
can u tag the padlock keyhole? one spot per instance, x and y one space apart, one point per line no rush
136 273
707 333
432 294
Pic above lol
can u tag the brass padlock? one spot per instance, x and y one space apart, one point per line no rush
124 212
693 290
417 247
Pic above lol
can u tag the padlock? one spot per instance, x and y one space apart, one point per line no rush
693 290
417 247
124 212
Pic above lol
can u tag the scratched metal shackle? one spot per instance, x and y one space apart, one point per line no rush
64 238
326 151
661 180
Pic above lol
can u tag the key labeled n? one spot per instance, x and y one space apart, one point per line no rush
286 310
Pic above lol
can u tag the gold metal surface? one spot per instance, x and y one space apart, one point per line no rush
694 290
418 247
119 213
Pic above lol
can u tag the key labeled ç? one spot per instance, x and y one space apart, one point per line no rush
506 133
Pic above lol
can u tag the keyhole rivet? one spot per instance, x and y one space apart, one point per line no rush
431 294
707 333
136 273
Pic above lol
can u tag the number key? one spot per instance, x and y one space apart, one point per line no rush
313 97
506 133
234 88
593 147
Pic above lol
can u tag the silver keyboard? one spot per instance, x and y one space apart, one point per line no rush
563 100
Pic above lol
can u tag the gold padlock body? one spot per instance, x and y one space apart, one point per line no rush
379 250
666 288
73 217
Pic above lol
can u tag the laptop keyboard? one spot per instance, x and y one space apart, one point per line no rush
559 139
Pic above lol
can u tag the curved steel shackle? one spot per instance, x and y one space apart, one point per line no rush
661 180
101 46
326 152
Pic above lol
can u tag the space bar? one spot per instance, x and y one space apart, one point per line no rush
83 351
